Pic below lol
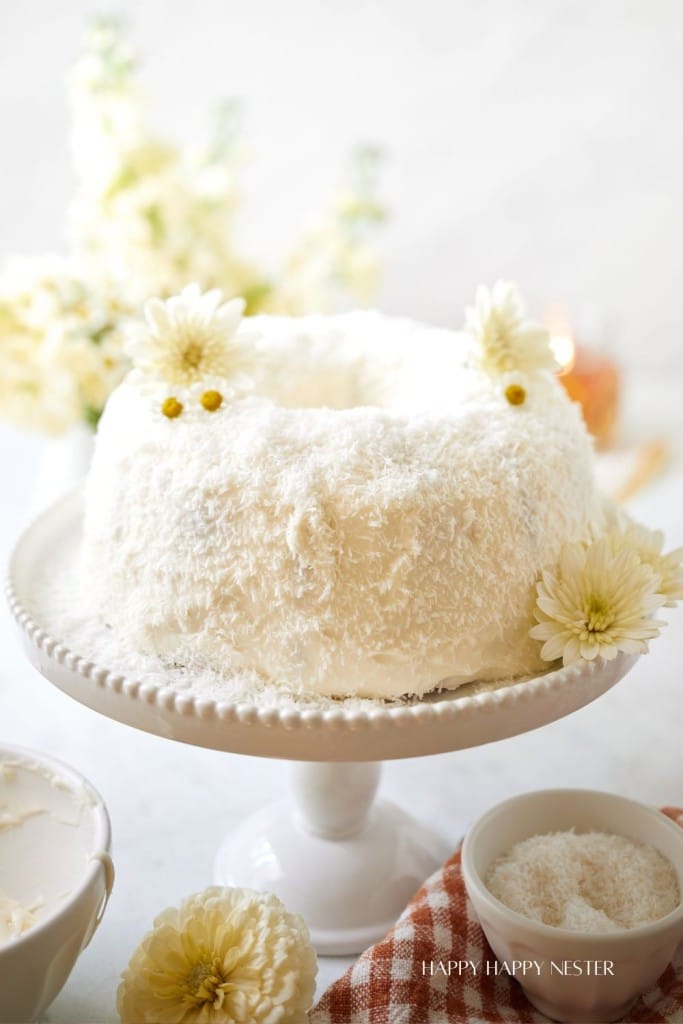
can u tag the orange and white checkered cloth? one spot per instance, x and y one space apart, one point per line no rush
388 984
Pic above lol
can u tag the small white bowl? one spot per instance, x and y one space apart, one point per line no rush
54 858
639 955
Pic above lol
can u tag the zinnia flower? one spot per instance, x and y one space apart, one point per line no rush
188 338
599 601
506 341
225 955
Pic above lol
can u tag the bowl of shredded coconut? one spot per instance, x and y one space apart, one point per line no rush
56 875
579 894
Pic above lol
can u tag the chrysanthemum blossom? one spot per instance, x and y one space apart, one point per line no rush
225 956
599 601
188 338
506 342
648 546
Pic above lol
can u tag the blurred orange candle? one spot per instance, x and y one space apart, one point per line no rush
590 378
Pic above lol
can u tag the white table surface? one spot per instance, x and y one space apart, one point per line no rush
171 805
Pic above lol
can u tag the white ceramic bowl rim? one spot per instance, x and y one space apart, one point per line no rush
434 707
101 839
624 934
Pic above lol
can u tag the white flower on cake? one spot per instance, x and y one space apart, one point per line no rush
648 546
225 955
187 338
185 354
506 342
210 395
599 601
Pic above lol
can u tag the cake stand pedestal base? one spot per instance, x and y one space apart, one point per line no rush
346 863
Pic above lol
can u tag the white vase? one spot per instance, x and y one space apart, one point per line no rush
63 463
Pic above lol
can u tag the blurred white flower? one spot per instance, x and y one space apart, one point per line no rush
599 601
148 217
648 546
60 344
505 341
336 256
225 956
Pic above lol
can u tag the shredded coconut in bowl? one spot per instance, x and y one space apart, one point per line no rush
585 882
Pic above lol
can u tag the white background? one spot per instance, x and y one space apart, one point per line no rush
536 140
540 140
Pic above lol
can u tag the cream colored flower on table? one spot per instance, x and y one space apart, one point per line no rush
599 601
506 341
648 546
223 956
188 338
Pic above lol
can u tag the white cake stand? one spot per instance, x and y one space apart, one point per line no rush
345 861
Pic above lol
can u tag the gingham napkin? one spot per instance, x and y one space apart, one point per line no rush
388 984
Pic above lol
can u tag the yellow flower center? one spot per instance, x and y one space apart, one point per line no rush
515 394
205 984
211 400
598 615
192 356
171 408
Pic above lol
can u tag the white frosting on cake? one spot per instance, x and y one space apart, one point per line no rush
370 520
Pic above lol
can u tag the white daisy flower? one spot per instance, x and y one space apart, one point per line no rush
648 546
507 342
188 338
214 393
599 601
208 396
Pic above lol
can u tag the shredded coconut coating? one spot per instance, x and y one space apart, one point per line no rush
589 882
370 521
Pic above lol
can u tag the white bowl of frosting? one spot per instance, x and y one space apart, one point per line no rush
590 967
56 876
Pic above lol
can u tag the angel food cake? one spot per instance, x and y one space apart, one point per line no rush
344 505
